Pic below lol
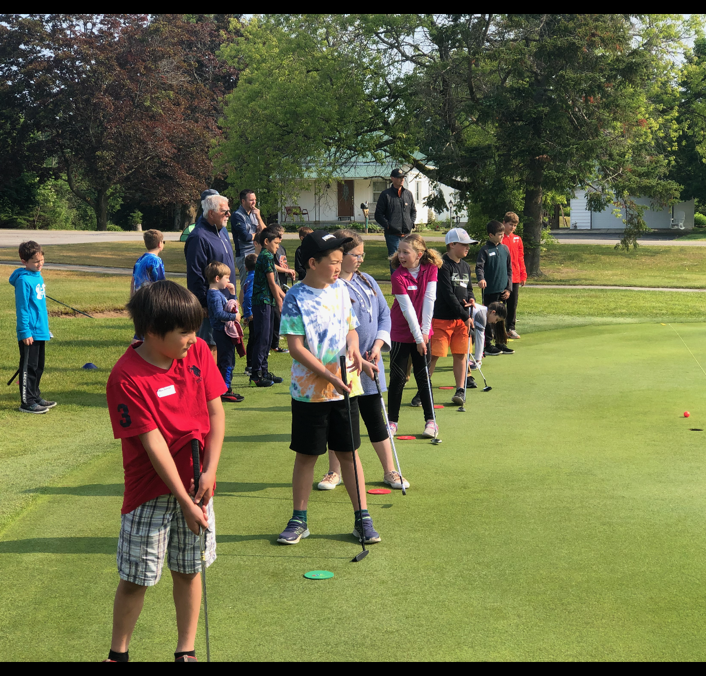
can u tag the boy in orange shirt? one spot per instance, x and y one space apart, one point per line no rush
519 273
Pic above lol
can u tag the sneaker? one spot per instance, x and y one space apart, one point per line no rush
248 370
281 350
47 404
431 430
393 429
369 534
459 398
232 397
271 376
33 408
416 401
186 658
471 383
475 365
259 380
492 351
330 481
295 531
513 334
504 349
393 480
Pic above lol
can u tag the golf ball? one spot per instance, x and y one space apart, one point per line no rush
686 414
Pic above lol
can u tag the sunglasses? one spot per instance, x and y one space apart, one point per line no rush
360 257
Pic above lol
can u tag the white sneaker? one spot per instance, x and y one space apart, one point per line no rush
393 429
430 430
392 479
329 482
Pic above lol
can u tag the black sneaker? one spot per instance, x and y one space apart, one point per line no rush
46 404
259 380
370 535
271 376
416 401
492 351
459 397
33 408
295 531
471 383
504 349
248 370
232 397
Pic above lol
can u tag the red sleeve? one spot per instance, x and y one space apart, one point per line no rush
434 275
129 414
399 287
213 383
521 252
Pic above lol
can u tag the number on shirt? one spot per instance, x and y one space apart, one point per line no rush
125 422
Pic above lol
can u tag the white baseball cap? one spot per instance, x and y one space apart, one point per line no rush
459 235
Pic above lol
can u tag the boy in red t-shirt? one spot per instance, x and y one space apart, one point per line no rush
163 393
519 273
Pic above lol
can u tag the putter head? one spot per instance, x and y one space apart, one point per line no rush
360 556
487 388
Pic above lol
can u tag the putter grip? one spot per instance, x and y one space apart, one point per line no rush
197 464
344 371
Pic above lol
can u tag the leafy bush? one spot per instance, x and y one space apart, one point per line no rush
114 228
699 220
135 218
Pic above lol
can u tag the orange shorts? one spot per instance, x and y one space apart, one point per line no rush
448 332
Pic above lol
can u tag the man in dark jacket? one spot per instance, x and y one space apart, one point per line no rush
209 242
395 212
494 273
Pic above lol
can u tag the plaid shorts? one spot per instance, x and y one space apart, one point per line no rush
156 527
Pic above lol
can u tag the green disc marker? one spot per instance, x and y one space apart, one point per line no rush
318 575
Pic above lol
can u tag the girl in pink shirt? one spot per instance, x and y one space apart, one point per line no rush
416 269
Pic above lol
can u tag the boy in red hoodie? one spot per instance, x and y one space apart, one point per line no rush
519 273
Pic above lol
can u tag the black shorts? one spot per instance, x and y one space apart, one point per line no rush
371 411
322 425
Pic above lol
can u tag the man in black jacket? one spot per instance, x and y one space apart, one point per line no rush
395 212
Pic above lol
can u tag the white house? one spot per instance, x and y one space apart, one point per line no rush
362 181
680 216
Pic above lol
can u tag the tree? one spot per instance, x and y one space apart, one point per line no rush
114 100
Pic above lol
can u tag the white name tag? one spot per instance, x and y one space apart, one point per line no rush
411 288
463 284
492 253
166 391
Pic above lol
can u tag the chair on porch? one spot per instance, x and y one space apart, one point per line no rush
292 212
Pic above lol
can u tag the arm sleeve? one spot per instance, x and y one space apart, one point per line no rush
239 228
291 321
21 306
521 254
129 413
480 265
195 263
413 210
410 315
216 308
509 271
479 321
428 307
247 298
381 212
299 264
384 319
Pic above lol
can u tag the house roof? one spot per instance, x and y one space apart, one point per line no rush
366 166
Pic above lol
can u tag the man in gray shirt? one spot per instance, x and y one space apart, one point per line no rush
245 223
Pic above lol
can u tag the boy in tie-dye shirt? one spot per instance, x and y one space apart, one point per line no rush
319 323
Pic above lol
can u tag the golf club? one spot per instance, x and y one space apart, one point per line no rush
487 387
462 407
12 380
202 541
70 308
344 377
389 433
436 439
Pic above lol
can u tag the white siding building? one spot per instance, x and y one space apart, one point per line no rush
680 216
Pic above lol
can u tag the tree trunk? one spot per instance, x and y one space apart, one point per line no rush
100 206
555 220
178 217
532 223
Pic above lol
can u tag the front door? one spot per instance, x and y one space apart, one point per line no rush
345 199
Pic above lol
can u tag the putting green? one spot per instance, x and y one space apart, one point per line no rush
561 519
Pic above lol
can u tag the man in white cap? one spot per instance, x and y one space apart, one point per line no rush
452 320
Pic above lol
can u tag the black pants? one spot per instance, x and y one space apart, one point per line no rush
225 359
511 304
248 348
31 369
276 318
370 407
489 298
262 338
399 357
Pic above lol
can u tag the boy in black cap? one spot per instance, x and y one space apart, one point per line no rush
319 323
395 212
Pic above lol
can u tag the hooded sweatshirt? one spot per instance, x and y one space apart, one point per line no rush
30 305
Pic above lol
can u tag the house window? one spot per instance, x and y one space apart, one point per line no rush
418 192
378 187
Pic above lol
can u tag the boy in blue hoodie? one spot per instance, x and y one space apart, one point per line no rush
32 326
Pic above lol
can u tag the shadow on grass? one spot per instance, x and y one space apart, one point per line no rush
88 490
242 487
260 437
71 545
269 409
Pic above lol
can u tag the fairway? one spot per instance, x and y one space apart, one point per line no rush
561 519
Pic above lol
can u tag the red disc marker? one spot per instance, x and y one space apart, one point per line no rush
379 491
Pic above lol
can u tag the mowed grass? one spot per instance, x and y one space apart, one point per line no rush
560 519
654 266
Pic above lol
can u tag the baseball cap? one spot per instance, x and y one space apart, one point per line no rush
459 235
208 193
319 242
397 173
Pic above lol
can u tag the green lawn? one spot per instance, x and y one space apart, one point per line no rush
561 518
667 266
